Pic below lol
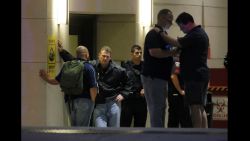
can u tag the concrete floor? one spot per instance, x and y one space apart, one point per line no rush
122 134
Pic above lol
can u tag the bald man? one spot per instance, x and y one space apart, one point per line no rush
81 106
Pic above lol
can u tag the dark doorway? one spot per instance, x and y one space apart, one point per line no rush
84 26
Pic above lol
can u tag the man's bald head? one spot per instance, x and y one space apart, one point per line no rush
82 52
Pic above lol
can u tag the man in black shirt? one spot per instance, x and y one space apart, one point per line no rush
193 65
135 106
156 70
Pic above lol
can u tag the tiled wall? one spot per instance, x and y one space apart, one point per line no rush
33 57
38 106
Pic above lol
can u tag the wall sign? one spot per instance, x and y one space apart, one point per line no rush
51 56
220 108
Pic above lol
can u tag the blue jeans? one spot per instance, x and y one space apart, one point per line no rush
155 91
107 114
80 111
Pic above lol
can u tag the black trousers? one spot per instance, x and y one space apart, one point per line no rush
135 109
178 112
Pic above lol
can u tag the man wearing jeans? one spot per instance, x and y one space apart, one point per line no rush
193 65
80 106
113 87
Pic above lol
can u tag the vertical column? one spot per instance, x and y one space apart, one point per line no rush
34 55
143 19
57 26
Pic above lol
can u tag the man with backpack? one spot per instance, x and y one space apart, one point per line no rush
77 80
113 85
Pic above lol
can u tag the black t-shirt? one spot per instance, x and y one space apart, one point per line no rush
193 57
156 67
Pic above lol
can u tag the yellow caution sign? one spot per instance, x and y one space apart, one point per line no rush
51 56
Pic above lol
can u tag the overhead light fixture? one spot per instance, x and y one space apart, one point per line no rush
145 12
62 11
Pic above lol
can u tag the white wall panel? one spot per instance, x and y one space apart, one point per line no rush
215 63
51 27
55 100
215 16
34 9
118 33
218 41
51 11
182 2
216 3
41 9
103 6
213 3
37 95
195 11
33 95
34 40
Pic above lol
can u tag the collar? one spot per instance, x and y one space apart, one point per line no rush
196 27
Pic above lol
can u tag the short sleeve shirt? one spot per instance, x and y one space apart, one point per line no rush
152 66
89 79
193 57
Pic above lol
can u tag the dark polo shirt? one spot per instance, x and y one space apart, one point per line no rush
156 67
193 57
